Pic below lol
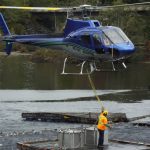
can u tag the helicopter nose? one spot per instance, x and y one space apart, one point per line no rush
125 49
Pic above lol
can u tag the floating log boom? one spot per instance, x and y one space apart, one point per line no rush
86 118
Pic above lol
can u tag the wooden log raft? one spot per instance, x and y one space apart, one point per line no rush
87 118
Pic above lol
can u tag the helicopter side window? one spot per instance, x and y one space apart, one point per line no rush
86 39
96 39
97 43
96 24
116 35
106 40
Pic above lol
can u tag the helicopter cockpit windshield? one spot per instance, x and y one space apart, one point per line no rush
114 35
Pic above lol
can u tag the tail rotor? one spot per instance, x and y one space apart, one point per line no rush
6 32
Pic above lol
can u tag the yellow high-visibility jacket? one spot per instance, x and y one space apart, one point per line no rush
102 122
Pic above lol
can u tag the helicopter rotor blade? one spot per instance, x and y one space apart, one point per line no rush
122 5
75 9
39 9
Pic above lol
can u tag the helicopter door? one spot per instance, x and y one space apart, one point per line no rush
97 44
86 40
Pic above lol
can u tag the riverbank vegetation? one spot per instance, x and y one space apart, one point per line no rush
134 24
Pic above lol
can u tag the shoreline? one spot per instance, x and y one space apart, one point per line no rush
50 58
15 54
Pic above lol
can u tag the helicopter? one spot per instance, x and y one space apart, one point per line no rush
85 39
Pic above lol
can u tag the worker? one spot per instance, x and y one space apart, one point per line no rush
102 125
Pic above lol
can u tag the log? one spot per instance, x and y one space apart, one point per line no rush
140 117
117 117
87 118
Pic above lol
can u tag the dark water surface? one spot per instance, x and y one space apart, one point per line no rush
17 72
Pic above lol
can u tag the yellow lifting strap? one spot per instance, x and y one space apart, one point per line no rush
94 90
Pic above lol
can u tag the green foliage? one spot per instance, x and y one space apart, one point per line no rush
117 2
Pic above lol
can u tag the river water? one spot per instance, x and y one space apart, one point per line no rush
31 87
20 73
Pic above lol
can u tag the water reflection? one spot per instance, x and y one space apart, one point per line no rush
19 73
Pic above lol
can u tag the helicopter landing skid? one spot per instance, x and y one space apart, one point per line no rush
113 68
92 68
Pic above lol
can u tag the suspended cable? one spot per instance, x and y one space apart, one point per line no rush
94 90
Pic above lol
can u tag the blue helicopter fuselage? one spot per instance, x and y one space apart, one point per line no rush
89 39
83 39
